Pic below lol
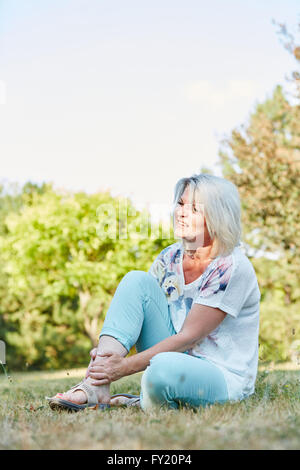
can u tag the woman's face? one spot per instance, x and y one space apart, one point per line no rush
189 220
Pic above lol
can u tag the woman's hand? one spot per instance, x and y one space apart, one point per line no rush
93 354
109 368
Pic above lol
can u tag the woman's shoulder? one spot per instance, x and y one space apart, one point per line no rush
237 262
236 275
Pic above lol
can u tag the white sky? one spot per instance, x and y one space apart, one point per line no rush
131 95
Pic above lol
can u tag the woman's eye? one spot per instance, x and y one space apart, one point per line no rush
198 209
189 206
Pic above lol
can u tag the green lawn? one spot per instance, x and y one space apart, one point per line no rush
269 419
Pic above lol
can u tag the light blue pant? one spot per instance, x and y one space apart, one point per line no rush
139 315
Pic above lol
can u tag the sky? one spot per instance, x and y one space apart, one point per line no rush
130 96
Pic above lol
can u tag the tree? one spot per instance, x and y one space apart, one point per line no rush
262 157
62 257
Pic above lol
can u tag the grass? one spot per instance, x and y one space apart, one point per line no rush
269 419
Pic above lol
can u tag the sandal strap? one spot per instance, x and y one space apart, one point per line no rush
92 398
77 385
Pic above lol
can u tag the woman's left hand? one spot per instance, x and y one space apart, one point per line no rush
111 367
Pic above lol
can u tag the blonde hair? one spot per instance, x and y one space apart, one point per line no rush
222 209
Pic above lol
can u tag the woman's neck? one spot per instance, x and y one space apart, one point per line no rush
202 254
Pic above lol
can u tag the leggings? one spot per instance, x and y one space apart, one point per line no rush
139 315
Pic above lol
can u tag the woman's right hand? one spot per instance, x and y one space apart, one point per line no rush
93 354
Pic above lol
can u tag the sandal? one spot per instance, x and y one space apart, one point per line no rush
133 400
58 403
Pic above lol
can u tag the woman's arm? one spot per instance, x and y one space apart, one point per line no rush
200 321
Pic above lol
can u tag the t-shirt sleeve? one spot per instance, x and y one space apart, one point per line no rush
224 288
159 267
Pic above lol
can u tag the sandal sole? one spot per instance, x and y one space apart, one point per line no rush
134 399
59 404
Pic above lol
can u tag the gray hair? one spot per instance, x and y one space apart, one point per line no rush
222 209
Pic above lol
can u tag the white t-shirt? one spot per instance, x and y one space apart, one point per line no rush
229 283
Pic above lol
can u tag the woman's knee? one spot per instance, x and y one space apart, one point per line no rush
157 371
139 281
156 381
135 277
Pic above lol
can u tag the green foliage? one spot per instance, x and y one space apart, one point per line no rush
279 315
62 257
262 158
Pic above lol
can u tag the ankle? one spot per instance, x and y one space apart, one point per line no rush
102 391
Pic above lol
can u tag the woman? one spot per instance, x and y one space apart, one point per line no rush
194 317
